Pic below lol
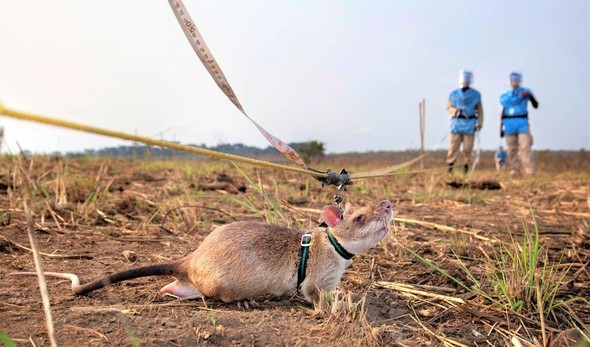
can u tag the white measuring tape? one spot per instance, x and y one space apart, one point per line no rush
204 54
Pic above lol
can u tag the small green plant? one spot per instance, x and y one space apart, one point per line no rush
438 269
515 271
327 297
6 340
338 303
270 210
130 331
3 217
339 313
362 188
212 318
45 192
521 279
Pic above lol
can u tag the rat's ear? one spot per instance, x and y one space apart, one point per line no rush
331 215
348 209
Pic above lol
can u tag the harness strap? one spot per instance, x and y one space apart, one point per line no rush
338 247
303 255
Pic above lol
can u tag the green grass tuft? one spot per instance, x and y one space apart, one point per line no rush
6 340
521 279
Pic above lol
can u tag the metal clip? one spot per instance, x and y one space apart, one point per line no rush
306 239
340 180
338 200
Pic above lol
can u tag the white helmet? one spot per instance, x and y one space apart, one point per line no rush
515 79
465 78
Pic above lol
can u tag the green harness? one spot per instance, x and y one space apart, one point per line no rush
304 253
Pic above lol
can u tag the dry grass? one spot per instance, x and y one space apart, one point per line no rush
340 312
88 214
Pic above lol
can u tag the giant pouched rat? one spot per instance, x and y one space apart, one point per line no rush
244 260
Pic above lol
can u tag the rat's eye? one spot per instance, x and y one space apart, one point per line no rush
359 219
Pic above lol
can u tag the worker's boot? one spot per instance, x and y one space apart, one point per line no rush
450 168
465 169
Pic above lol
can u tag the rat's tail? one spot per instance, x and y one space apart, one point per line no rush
144 271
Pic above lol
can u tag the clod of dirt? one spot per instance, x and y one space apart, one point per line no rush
481 185
227 187
130 256
224 178
6 247
146 178
297 201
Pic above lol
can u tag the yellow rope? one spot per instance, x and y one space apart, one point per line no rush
196 150
165 144
387 171
362 177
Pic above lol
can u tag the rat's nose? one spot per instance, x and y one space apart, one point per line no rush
385 206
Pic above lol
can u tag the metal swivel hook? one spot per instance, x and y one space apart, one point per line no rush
340 180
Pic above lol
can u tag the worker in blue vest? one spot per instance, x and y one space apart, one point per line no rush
464 107
515 125
500 158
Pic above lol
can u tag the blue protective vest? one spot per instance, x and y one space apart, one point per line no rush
467 101
463 126
513 103
501 155
515 106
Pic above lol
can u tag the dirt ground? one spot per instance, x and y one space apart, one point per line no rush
96 216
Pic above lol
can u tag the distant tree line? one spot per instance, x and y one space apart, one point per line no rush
312 150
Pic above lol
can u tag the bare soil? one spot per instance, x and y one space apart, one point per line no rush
97 216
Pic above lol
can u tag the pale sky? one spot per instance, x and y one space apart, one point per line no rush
349 73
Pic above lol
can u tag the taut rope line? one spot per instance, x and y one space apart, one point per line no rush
165 144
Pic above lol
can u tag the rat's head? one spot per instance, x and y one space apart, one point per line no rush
359 229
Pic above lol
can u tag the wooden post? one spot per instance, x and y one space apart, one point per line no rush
134 154
422 114
1 137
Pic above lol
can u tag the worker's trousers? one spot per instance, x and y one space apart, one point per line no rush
456 141
520 153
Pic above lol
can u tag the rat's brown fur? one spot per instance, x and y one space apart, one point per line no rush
245 260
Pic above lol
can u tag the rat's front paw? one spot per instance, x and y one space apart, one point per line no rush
248 304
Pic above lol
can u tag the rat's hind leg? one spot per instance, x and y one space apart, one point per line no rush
181 289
